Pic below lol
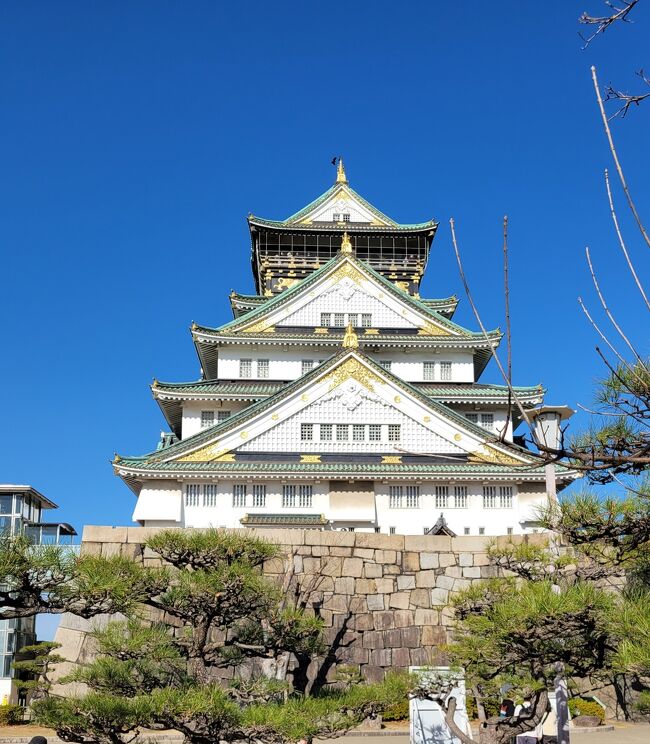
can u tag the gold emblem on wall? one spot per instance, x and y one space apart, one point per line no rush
347 271
309 458
212 453
491 455
352 368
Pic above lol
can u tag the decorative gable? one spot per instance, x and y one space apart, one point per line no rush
343 205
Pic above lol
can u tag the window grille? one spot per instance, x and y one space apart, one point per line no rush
239 495
481 530
192 491
366 320
394 432
374 432
445 371
465 530
442 495
353 318
505 497
342 432
509 530
223 415
210 494
305 497
336 217
207 419
245 367
473 417
307 365
288 497
391 530
412 497
394 497
489 497
339 320
460 497
326 431
326 319
429 371
346 216
306 432
386 364
262 368
487 421
358 432
259 495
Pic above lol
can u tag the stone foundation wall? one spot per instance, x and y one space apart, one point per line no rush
384 599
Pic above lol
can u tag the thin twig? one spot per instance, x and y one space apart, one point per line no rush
515 397
602 335
612 148
604 22
622 242
606 308
506 292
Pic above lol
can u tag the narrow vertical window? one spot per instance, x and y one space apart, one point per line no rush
489 497
505 497
374 432
394 432
306 432
192 491
509 530
481 530
460 497
429 371
239 495
487 421
262 368
305 496
326 432
412 497
326 319
342 432
288 497
391 530
259 495
445 371
358 432
366 320
210 494
245 367
465 530
307 365
442 496
394 497
207 419
353 319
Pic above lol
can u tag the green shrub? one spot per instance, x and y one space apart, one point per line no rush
11 715
397 711
643 703
586 707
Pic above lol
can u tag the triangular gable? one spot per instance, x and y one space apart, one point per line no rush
345 278
435 422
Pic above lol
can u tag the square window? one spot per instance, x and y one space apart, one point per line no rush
394 432
473 417
412 497
465 530
307 365
342 432
346 216
374 432
305 497
223 415
353 319
245 367
263 368
394 497
358 432
339 320
489 497
259 495
306 432
445 371
366 320
326 319
210 494
336 217
429 371
326 432
386 364
207 419
460 497
288 497
239 495
442 496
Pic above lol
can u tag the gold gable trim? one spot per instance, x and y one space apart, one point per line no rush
491 455
263 326
210 453
429 329
347 271
352 368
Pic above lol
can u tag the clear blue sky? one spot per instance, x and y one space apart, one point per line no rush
136 136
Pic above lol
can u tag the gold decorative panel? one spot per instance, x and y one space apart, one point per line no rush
491 455
309 458
352 368
429 329
391 459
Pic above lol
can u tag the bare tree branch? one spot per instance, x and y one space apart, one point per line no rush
628 99
602 23
506 292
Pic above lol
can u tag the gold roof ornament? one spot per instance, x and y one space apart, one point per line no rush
350 340
340 172
346 245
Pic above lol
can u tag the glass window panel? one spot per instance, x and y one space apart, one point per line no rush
358 432
429 371
326 431
207 419
263 368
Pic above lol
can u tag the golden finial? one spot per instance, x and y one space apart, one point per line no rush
346 245
154 384
193 327
350 340
340 172
117 458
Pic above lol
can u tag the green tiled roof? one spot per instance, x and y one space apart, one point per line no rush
221 387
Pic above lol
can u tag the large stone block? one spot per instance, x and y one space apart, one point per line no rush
375 540
411 637
372 673
434 635
353 567
399 600
340 552
461 584
482 559
358 605
420 598
403 618
319 583
332 567
373 570
470 544
425 579
331 538
91 549
381 657
344 585
275 566
337 603
405 582
392 569
427 543
454 571
385 585
466 559
393 638
472 572
439 596
445 582
298 563
110 550
364 622
365 553
140 534
401 658
447 559
422 657
373 639
354 654
98 533
385 556
366 586
429 560
384 620
284 537
311 565
410 561
376 602
427 617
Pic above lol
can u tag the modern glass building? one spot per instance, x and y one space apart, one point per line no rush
22 512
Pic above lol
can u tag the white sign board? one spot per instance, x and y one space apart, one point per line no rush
427 718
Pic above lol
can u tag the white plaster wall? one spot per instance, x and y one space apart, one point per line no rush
500 417
159 500
409 366
191 423
414 437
